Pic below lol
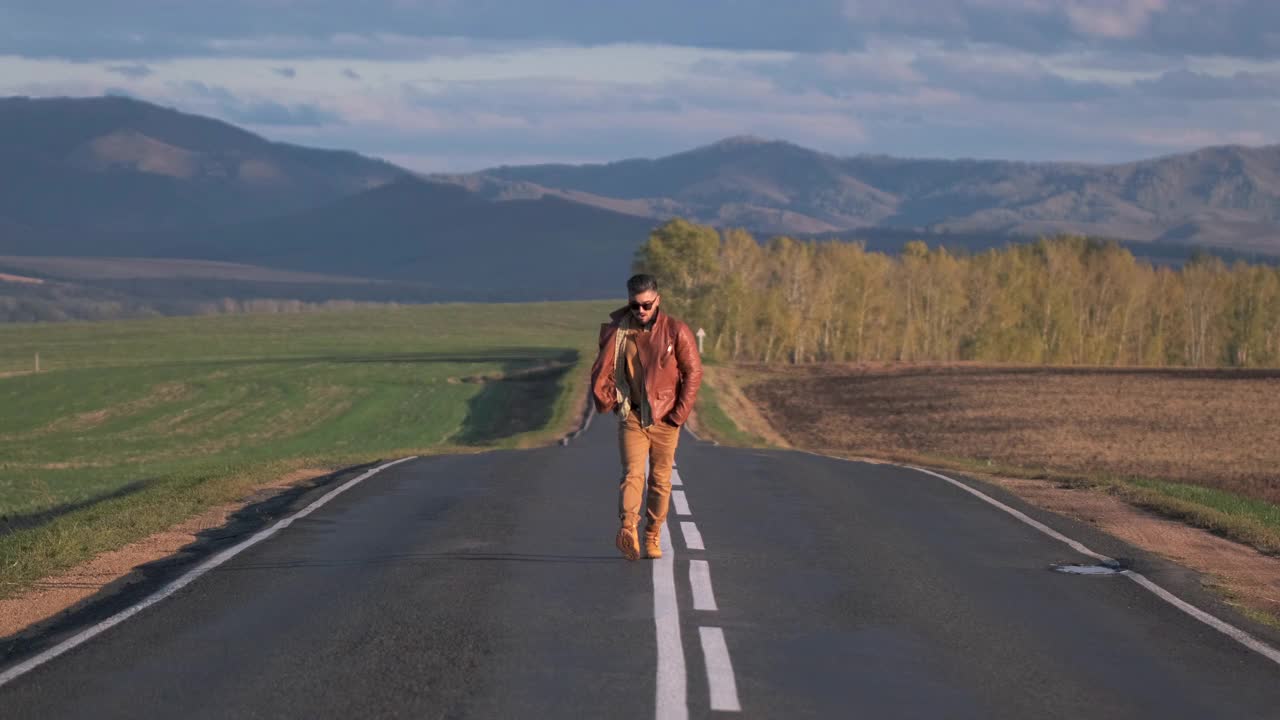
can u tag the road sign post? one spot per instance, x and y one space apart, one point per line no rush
702 334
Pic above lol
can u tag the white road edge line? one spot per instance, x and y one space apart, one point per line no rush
692 536
700 582
675 477
1221 626
1078 547
173 587
681 502
720 680
672 698
1225 628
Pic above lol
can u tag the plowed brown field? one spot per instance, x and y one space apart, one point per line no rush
1214 428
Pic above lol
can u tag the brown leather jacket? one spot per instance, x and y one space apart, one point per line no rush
672 368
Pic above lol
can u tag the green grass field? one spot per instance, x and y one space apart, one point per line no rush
135 425
717 424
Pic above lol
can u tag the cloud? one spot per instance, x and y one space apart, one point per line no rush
134 71
1171 28
268 112
1186 84
132 29
1009 78
599 114
348 44
1020 20
257 111
1111 19
1021 79
836 73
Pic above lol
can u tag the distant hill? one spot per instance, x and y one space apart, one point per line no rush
1222 196
114 177
115 164
120 178
414 230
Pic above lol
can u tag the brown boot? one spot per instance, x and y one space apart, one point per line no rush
628 542
652 547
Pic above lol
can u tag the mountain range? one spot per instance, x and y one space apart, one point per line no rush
119 165
1226 197
117 177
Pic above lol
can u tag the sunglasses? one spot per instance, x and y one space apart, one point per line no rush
647 306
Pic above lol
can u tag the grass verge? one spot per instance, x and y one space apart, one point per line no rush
715 424
1243 520
726 416
135 426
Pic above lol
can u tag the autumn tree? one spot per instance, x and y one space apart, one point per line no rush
684 258
1064 300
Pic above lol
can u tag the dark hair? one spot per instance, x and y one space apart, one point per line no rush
641 283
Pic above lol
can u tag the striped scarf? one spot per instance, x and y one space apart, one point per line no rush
627 327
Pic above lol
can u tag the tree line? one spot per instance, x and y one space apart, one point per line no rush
1060 300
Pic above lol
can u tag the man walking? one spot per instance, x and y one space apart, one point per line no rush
648 372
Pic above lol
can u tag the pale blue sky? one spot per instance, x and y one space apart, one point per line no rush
452 85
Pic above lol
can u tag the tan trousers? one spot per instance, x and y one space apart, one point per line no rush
657 443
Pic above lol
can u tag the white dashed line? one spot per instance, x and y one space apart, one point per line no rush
173 587
724 689
672 691
681 502
692 536
672 686
700 581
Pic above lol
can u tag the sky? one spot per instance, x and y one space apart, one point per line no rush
460 85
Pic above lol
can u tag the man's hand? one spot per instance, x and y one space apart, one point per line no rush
690 364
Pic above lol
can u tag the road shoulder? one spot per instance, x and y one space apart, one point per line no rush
58 604
1237 575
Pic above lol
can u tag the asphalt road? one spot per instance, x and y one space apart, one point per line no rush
487 586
